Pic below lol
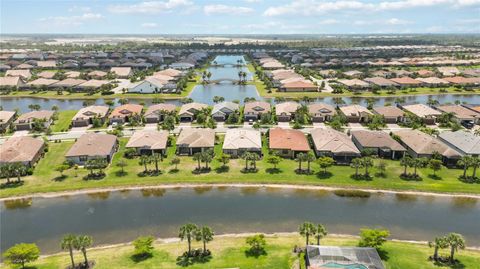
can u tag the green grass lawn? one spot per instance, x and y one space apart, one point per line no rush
229 252
44 176
63 121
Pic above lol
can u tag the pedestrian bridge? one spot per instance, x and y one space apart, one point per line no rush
223 80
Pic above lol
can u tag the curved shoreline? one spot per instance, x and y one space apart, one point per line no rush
234 185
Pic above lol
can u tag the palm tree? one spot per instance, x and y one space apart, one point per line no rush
198 157
188 231
475 164
307 229
68 242
465 161
82 242
405 162
320 233
356 163
6 171
156 157
310 157
439 242
367 162
247 156
207 157
18 169
301 157
205 234
145 160
416 163
456 241
175 161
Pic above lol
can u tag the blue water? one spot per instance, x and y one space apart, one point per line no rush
345 266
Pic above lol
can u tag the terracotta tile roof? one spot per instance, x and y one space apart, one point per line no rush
126 110
389 111
197 137
256 107
93 144
148 139
422 110
321 109
376 139
153 109
354 110
20 149
90 112
5 116
286 108
332 141
406 81
30 116
288 139
422 143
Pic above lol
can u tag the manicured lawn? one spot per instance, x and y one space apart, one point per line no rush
43 179
63 121
229 252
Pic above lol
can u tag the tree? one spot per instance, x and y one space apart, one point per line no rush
257 243
22 253
247 156
122 164
6 171
418 163
61 168
301 157
175 161
34 107
465 161
367 162
438 243
456 242
18 169
309 157
307 229
325 162
382 168
68 242
188 232
123 101
156 157
207 157
224 159
143 246
357 164
205 234
435 165
373 238
82 242
198 157
405 162
475 163
168 123
320 233
274 160
145 160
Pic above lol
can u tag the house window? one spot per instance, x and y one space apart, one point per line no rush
83 158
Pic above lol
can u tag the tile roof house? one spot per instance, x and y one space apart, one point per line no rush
68 83
286 111
426 113
193 140
254 110
25 121
149 142
335 144
6 118
298 86
85 115
434 81
91 146
381 82
288 142
239 141
354 83
25 74
448 71
169 72
24 149
46 74
407 82
461 113
391 114
122 72
221 111
11 82
91 84
123 113
464 142
148 85
41 82
156 113
355 113
379 141
97 74
463 80
188 111
419 144
320 112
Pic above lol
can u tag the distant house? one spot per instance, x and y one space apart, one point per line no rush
407 82
169 72
320 112
68 83
149 142
356 113
24 74
254 110
448 71
123 113
353 73
189 111
335 144
193 140
46 74
381 82
6 119
221 111
426 113
286 111
97 74
466 143
354 83
42 82
24 149
391 114
182 65
319 257
298 86
288 142
85 115
156 113
149 85
92 84
419 144
92 146
434 81
11 82
122 72
379 141
239 141
460 114
25 121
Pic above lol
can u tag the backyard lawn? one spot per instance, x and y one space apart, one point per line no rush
46 179
63 122
229 252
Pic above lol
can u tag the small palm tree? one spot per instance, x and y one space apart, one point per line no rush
307 229
475 163
205 234
188 232
301 157
367 162
456 242
320 233
145 160
438 243
405 162
82 242
175 161
465 161
310 157
357 164
198 157
68 242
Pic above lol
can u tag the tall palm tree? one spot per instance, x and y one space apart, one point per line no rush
307 229
301 157
205 234
247 156
6 171
320 233
157 157
465 161
198 157
367 162
18 170
356 163
456 241
68 242
475 163
310 157
188 232
405 162
82 242
145 160
438 243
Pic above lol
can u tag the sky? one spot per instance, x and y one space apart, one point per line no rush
239 16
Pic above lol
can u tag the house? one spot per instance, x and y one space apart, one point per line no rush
85 115
46 64
123 113
25 121
189 111
156 113
356 113
6 119
457 80
11 82
92 84
407 82
46 74
320 257
254 110
426 113
354 83
42 82
286 111
97 74
320 112
391 114
122 72
379 141
448 71
419 144
147 142
193 140
425 73
24 74
298 86
92 146
68 83
221 111
72 74
335 144
288 142
466 143
169 72
434 81
149 85
353 73
24 149
460 113
381 82
239 141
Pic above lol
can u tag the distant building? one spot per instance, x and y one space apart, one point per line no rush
91 146
24 149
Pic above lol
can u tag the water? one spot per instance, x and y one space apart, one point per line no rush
122 216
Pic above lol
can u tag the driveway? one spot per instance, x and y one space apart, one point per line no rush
284 124
356 126
150 126
20 133
319 125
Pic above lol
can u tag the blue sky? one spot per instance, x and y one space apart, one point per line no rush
240 16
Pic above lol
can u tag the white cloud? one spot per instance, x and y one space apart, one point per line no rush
80 9
328 22
71 20
395 21
226 10
150 7
149 25
252 1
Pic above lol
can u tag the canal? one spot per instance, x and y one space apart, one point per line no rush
121 216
